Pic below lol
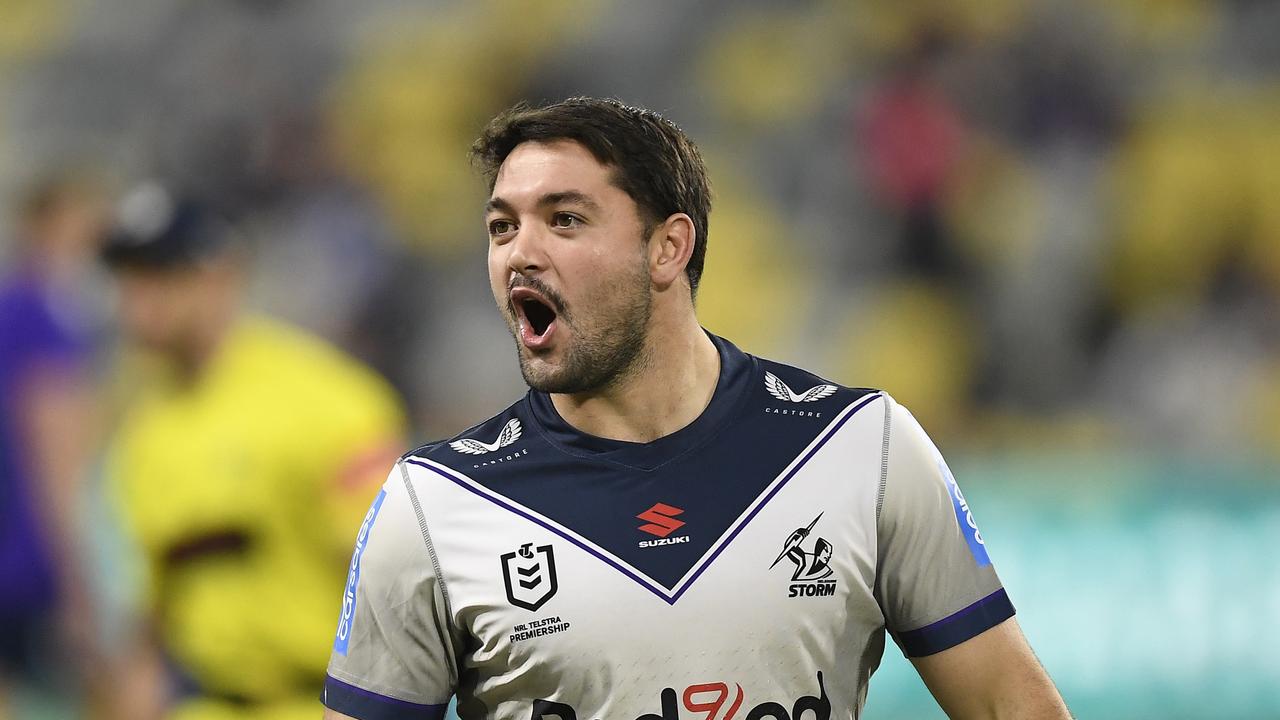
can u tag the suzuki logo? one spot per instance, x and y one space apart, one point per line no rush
661 519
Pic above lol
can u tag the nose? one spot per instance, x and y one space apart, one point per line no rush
527 254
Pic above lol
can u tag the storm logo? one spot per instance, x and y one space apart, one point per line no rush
812 575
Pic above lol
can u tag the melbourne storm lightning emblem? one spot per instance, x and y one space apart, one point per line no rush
780 390
813 573
510 433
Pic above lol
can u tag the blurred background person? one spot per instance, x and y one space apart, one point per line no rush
48 411
241 468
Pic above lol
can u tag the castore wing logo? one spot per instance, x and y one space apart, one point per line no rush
510 433
781 391
530 576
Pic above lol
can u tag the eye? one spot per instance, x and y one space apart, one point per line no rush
564 220
498 228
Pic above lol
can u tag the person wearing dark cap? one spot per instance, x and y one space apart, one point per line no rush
241 472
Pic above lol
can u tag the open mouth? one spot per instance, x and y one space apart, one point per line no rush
536 316
539 314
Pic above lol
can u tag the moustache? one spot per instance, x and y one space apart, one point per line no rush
552 297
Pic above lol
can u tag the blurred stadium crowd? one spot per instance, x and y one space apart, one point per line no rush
1041 225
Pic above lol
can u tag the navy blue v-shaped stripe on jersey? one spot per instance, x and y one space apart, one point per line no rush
709 471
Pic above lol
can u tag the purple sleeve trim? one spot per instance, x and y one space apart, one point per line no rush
957 627
365 705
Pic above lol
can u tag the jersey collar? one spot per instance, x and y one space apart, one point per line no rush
736 370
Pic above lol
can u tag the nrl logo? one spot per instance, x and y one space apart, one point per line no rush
509 434
530 576
779 389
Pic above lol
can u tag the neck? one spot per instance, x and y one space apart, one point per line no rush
203 344
660 397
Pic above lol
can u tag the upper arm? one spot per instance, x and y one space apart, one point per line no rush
940 594
992 675
393 653
934 580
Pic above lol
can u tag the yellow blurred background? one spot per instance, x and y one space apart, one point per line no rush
1052 229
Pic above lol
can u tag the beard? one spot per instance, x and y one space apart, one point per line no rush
603 350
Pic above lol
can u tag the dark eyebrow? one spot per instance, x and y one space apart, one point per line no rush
569 197
497 203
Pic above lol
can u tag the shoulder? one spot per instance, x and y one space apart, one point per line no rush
38 318
14 295
299 359
257 337
486 438
798 388
390 538
20 290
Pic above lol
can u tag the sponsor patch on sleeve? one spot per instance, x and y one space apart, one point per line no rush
353 576
965 517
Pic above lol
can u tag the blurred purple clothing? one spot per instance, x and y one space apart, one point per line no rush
40 330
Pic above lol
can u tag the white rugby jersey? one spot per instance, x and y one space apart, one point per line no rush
744 567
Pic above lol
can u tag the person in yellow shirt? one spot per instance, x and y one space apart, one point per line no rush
241 471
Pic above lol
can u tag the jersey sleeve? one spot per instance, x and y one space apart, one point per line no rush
935 582
392 655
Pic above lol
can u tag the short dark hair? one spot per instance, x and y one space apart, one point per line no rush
654 161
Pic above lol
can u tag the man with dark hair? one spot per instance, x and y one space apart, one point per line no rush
664 526
652 160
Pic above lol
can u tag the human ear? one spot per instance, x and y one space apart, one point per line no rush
670 247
